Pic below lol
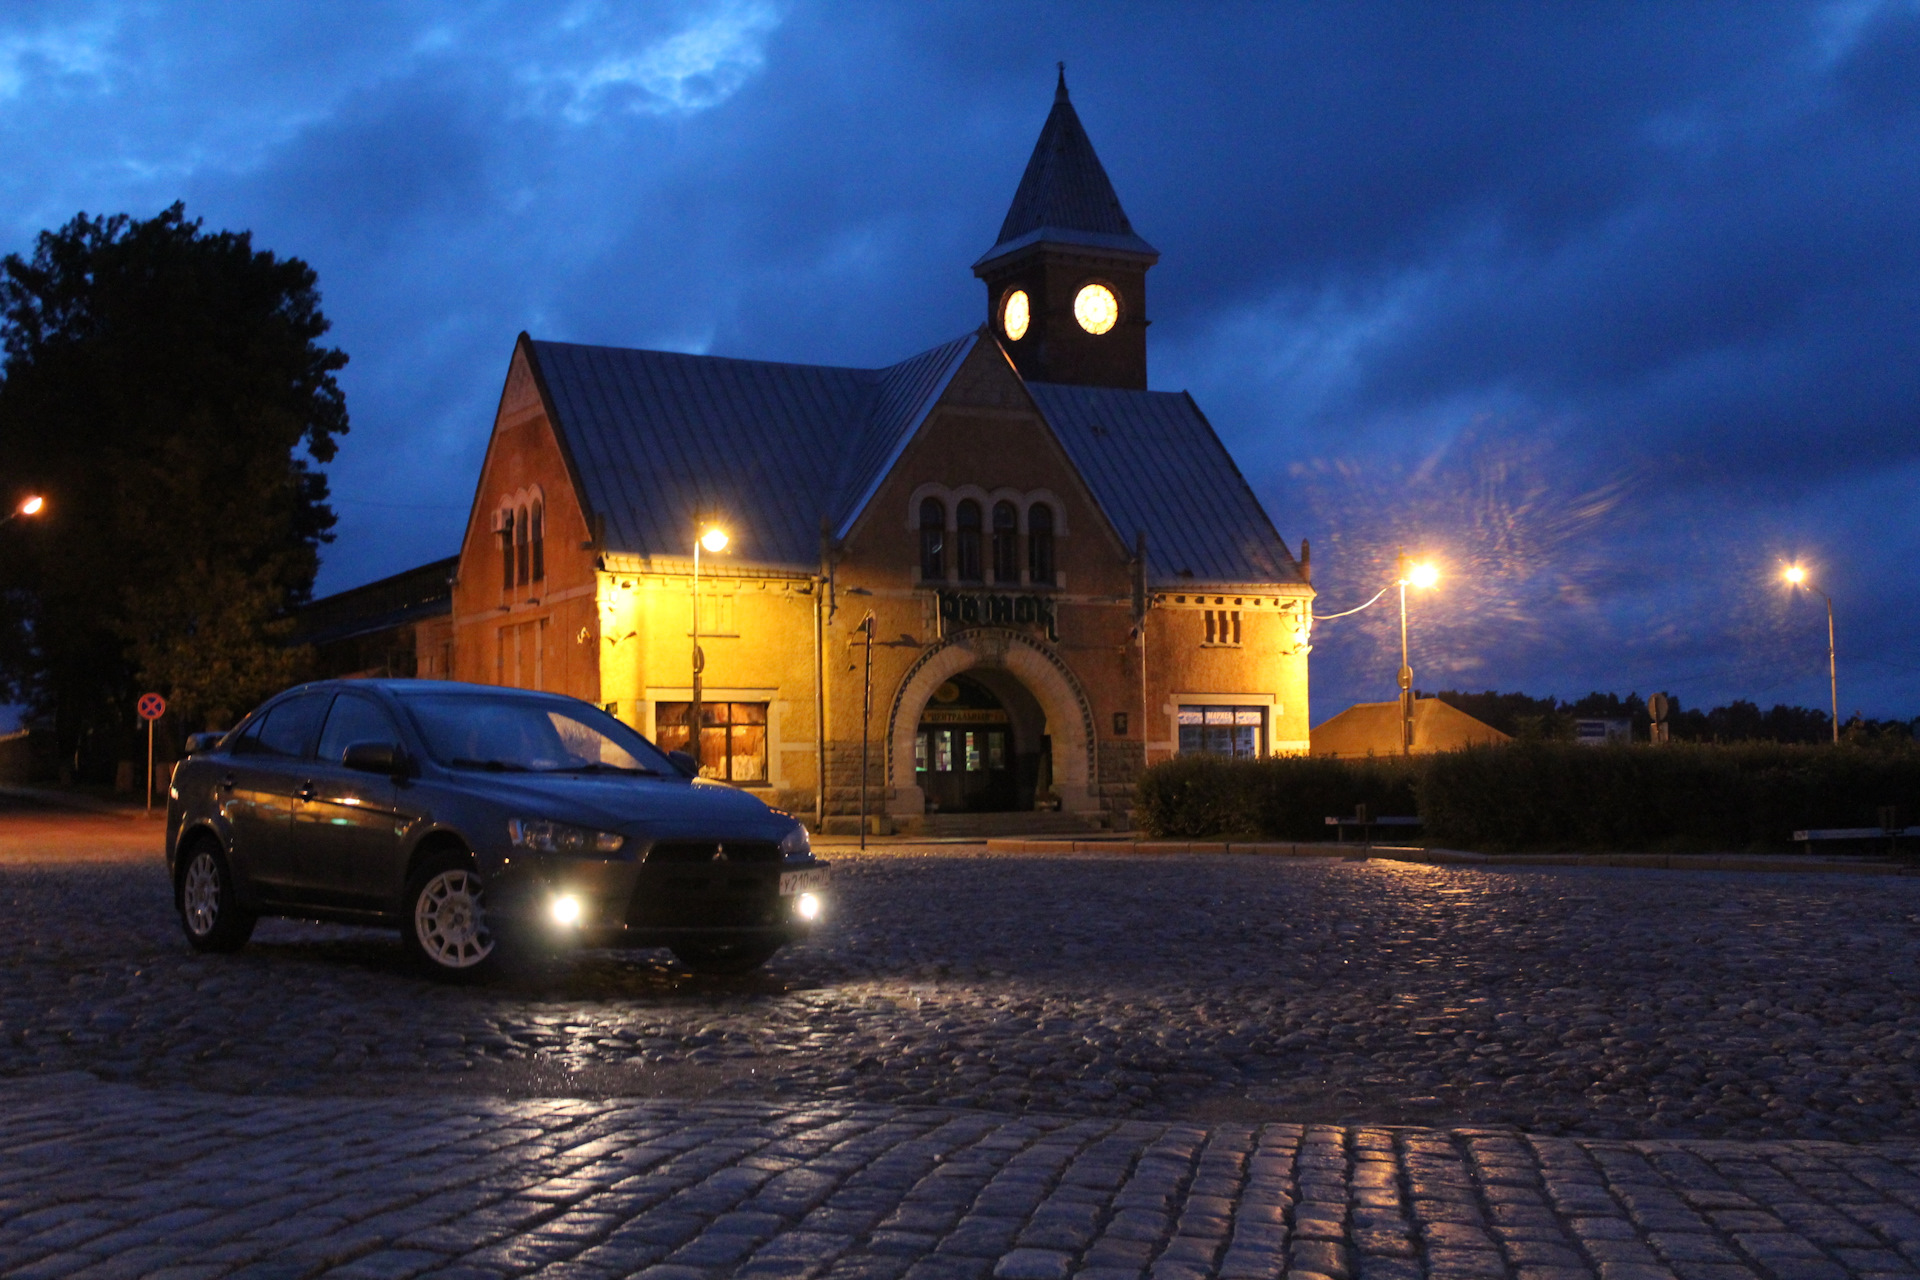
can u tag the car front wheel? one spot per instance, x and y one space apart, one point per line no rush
209 913
446 926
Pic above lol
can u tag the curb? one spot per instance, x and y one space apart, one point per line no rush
84 803
1354 852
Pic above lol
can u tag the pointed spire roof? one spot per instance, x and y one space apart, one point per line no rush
1065 196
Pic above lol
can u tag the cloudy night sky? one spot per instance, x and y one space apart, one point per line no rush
1613 309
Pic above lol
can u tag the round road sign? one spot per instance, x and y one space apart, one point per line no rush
1658 706
152 706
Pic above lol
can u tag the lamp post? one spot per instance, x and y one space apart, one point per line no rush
32 505
1423 575
1797 576
714 539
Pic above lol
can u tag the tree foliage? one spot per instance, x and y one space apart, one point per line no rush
166 389
1533 719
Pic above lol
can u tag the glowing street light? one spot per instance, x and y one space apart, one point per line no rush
32 505
1797 577
1425 575
714 539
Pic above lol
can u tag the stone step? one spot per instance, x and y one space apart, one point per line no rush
1001 824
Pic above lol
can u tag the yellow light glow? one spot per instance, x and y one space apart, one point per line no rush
1423 575
566 909
807 906
1014 316
1096 309
33 505
714 539
1796 575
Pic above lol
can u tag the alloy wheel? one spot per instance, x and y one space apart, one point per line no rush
450 920
200 895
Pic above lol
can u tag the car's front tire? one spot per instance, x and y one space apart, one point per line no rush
446 928
723 959
209 909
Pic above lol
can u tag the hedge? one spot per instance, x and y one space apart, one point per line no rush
1546 796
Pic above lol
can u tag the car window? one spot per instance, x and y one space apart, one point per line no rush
286 729
354 719
536 735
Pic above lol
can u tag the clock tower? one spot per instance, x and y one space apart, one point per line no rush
1067 279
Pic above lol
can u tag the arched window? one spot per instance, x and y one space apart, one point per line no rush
538 536
506 550
966 551
1040 543
520 547
933 541
1006 543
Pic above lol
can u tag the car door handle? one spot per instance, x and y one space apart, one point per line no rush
306 790
226 783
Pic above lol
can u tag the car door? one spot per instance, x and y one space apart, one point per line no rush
260 788
347 825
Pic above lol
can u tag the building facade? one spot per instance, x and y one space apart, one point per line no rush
1002 572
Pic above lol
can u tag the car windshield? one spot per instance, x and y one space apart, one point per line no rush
506 733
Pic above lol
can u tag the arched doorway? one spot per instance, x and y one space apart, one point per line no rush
1050 720
979 745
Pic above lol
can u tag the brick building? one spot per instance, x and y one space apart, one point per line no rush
1065 572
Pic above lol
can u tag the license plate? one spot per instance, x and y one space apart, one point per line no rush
802 881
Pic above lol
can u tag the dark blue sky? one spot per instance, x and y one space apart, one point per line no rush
1613 309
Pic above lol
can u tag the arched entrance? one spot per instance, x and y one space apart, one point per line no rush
1048 748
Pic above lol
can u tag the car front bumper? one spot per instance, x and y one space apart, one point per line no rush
624 904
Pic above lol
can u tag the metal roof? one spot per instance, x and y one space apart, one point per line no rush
1065 196
422 592
1156 466
661 440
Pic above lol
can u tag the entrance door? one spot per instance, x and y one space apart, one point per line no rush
964 751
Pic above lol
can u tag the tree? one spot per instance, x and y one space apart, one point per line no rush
165 388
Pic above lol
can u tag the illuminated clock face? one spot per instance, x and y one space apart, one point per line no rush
1014 315
1096 308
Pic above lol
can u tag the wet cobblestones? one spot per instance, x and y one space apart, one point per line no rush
1211 989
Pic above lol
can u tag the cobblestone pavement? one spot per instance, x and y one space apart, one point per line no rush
114 1180
1596 1003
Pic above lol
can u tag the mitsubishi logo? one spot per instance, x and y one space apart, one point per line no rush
720 853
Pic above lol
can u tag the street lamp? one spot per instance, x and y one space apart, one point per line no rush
714 539
1423 574
32 505
1797 577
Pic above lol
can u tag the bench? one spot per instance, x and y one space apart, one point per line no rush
1889 834
1362 819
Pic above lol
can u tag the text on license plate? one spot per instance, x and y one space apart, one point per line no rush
802 881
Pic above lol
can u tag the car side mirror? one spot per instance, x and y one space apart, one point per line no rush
685 763
375 757
200 743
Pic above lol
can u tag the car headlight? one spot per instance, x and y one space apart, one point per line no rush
795 843
544 836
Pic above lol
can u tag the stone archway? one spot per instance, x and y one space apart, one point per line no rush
1040 670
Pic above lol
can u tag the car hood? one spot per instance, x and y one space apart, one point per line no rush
627 804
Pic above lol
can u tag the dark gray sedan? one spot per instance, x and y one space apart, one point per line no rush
484 822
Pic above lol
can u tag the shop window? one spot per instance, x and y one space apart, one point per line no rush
933 541
966 548
1040 544
1006 543
1238 732
1223 628
733 738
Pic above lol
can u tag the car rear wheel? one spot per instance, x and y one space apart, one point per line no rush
209 912
446 927
722 958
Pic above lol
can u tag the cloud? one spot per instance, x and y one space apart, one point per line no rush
38 60
695 69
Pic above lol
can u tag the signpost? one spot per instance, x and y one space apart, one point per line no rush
152 706
1659 706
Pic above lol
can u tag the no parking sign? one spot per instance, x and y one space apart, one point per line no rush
152 706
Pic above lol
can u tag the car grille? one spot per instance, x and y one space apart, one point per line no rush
696 851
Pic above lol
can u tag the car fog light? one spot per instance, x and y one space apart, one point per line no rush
566 909
807 906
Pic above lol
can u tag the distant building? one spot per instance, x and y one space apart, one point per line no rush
400 626
987 502
1373 729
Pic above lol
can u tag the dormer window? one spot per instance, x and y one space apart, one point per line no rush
933 541
967 544
1040 544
